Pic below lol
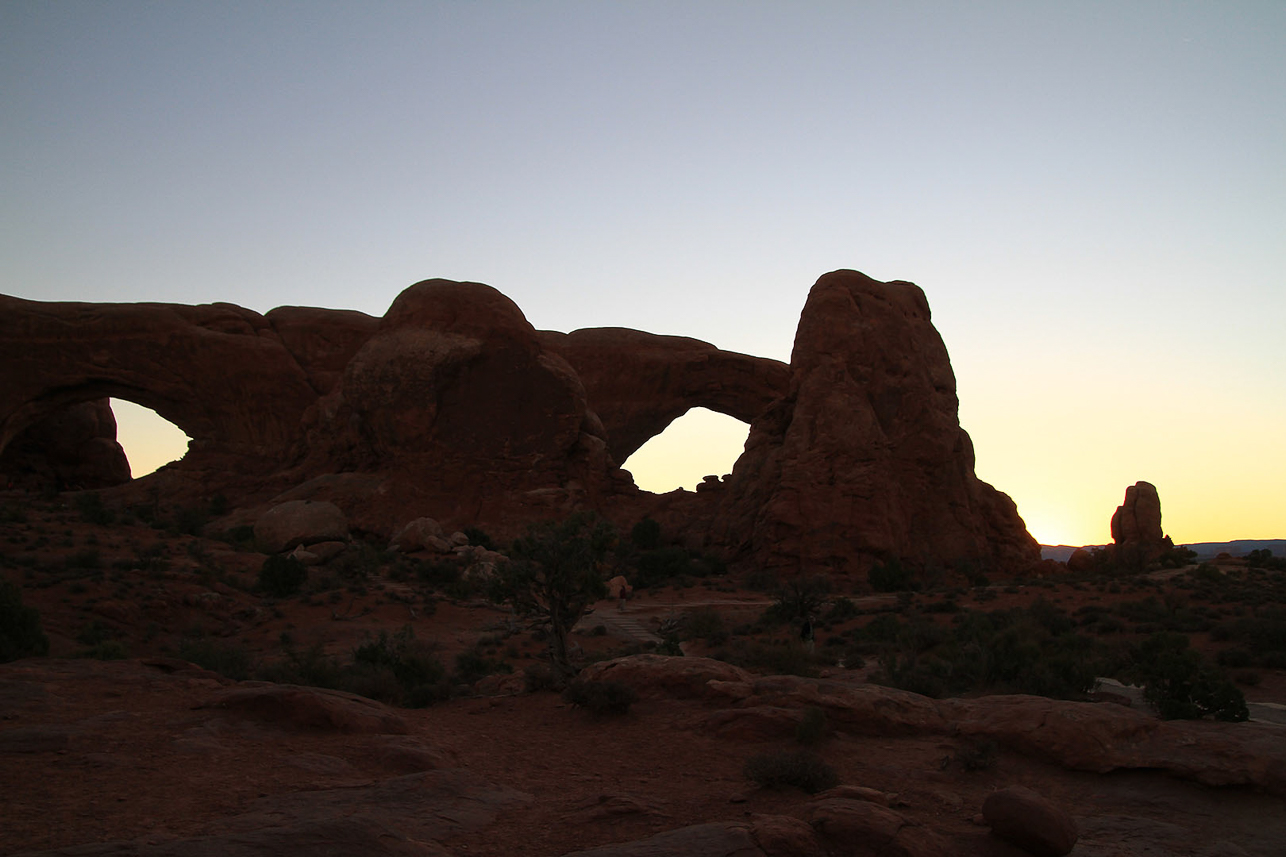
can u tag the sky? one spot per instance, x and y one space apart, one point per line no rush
1092 195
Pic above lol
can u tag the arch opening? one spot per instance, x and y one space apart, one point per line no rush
150 440
697 444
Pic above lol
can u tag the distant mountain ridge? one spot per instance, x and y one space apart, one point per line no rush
1205 550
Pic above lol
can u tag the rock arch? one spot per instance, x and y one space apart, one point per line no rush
638 383
218 372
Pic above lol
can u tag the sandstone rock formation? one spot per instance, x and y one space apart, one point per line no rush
1021 816
638 383
1136 527
452 406
864 459
71 448
300 522
1081 736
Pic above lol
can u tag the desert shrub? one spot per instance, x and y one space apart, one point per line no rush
189 521
600 698
311 667
1016 651
87 559
360 561
791 769
703 623
472 665
227 659
800 598
655 567
1181 685
1263 558
418 671
92 511
94 632
890 576
842 609
20 633
107 650
374 681
556 570
813 728
479 537
670 646
438 574
281 575
760 580
979 755
240 537
538 677
1233 658
1208 573
770 659
646 535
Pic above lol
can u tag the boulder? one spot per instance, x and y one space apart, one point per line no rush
1081 561
864 458
292 707
73 448
1024 818
1136 527
657 676
217 371
862 827
416 535
300 522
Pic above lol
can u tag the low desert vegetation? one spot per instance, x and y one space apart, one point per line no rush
600 698
20 633
801 769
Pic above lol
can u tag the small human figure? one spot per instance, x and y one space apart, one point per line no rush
806 634
622 595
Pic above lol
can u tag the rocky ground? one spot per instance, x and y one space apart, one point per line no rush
150 754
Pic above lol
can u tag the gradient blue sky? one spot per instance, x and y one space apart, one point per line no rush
1092 194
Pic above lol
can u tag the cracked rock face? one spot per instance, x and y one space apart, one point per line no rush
864 458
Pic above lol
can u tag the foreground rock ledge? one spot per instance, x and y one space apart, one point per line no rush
1082 736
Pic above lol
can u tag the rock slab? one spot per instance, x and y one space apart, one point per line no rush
1021 816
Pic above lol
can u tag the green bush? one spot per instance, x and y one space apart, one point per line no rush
600 698
20 632
791 768
282 575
